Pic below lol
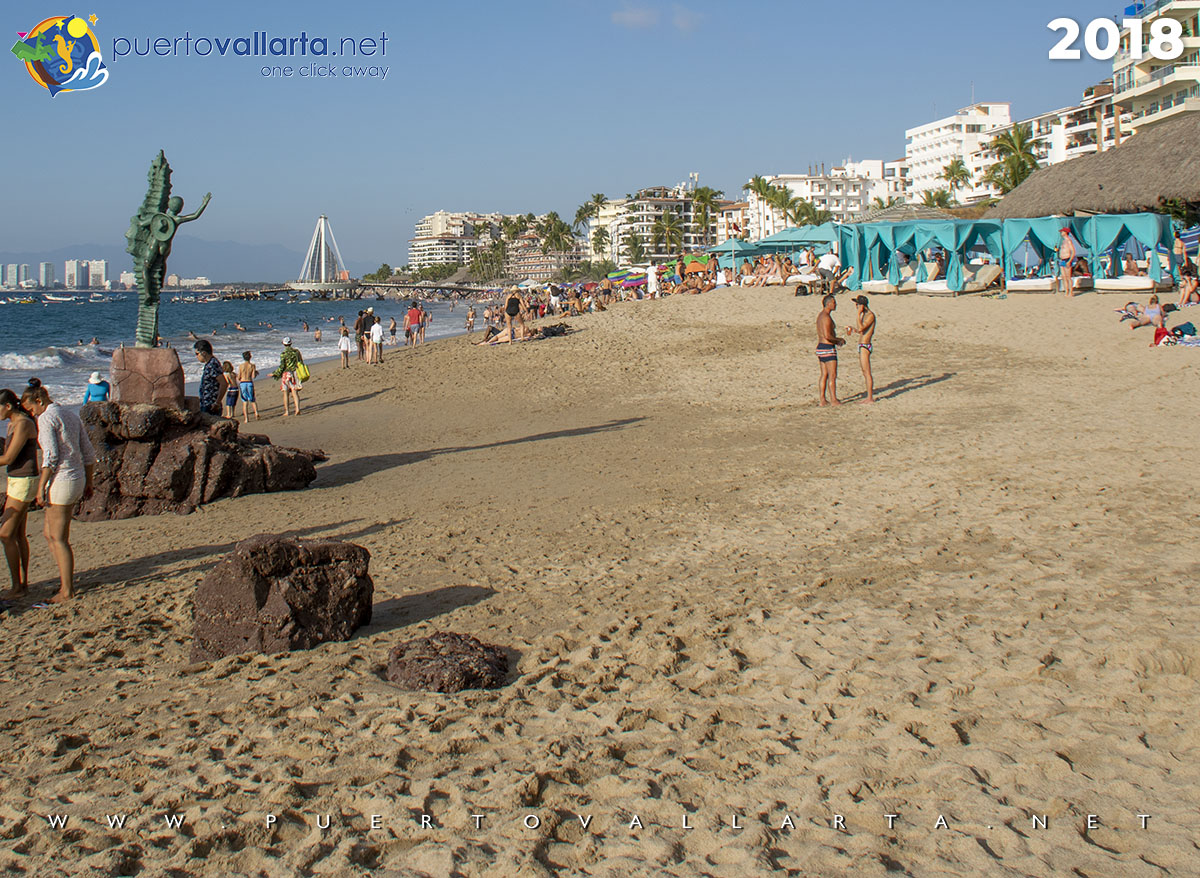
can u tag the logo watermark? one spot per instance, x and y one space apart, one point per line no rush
62 54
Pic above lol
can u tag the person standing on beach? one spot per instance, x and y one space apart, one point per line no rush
97 389
246 374
1066 261
426 319
212 378
412 324
470 320
865 320
68 462
827 345
229 410
20 456
512 309
392 329
358 333
289 381
377 340
345 347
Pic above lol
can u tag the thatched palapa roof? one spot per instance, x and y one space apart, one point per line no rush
1160 163
899 213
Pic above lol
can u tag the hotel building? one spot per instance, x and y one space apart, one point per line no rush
75 274
1154 90
931 147
846 192
45 275
97 274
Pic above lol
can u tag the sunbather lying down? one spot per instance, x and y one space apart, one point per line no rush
1144 315
504 336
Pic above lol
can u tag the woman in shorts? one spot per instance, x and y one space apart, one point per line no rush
68 460
20 456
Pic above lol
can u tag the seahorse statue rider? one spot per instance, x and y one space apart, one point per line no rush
150 234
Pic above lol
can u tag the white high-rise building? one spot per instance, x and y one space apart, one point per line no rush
1153 90
10 275
931 147
45 275
75 274
98 273
445 238
845 192
24 274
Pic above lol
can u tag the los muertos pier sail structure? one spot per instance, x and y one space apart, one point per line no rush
323 270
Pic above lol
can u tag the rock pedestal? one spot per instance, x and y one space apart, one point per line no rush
153 459
447 662
275 594
152 376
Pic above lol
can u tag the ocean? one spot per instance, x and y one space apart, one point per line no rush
51 340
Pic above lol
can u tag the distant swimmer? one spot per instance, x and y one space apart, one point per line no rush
239 327
192 336
317 334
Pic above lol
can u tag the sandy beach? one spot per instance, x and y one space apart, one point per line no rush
723 604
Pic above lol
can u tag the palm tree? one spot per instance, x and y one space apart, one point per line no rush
600 239
634 248
598 201
761 189
957 174
582 215
555 234
1017 156
704 201
667 234
878 203
938 198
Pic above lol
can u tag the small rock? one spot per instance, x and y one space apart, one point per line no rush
447 662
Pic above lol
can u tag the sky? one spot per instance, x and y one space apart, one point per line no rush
517 106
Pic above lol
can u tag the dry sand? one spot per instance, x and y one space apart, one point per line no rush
972 600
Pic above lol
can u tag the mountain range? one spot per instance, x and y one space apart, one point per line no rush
220 261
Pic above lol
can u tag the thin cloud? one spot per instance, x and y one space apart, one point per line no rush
635 17
686 20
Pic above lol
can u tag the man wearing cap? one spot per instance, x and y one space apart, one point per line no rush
1066 260
865 320
827 345
97 389
212 379
289 382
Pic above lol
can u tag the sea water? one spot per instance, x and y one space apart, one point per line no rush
51 340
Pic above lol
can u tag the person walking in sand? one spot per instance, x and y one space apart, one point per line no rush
229 408
512 310
68 462
392 329
827 345
20 456
345 347
1066 261
865 327
377 341
470 320
412 324
426 319
246 373
289 382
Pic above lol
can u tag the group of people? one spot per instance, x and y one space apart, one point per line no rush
222 386
828 342
56 484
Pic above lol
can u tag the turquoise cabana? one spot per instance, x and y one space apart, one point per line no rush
881 240
850 248
729 252
1043 236
821 238
957 238
1107 232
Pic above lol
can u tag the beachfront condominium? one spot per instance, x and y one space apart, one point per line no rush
98 274
11 274
75 274
1061 135
663 220
929 148
445 238
45 275
1154 90
733 221
843 193
609 217
525 260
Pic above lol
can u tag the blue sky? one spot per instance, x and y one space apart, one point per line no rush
525 105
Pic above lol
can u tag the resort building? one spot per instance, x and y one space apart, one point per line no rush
445 238
128 280
10 275
649 207
733 221
845 192
75 274
524 259
931 147
1150 89
97 274
610 217
1058 136
45 275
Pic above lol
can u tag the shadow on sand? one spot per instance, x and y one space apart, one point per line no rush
393 613
352 470
904 385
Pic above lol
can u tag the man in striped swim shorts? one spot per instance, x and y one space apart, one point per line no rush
827 345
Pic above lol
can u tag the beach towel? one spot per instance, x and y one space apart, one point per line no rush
1163 336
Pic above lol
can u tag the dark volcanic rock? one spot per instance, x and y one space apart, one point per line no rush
152 460
447 662
275 594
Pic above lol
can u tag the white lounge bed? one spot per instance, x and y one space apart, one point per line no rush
975 282
1045 284
1124 284
882 286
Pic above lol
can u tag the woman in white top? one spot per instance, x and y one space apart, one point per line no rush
68 461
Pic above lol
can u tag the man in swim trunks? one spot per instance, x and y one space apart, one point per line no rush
865 320
827 345
246 374
1066 261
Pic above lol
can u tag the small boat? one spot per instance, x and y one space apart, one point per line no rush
209 298
50 297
